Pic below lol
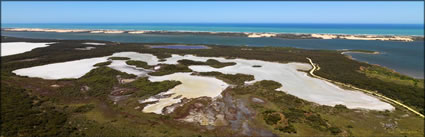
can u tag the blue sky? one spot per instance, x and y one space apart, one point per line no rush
213 12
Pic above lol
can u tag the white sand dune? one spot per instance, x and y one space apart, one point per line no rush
12 48
294 82
191 87
260 35
137 32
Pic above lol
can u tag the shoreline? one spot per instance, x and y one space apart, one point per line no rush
344 51
403 38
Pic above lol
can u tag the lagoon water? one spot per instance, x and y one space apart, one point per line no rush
404 57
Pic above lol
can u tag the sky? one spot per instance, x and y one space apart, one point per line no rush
384 12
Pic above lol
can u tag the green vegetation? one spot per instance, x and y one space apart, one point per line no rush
140 64
211 62
238 79
84 108
24 115
271 117
30 107
333 65
118 58
101 64
289 108
98 82
388 75
170 69
147 88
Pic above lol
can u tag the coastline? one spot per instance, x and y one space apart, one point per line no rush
344 51
403 38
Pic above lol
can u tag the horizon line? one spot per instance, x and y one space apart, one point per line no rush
208 23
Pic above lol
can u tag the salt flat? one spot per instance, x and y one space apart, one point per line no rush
191 87
294 82
120 65
12 48
70 69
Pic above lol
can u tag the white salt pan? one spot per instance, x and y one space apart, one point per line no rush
294 82
12 48
191 87
70 69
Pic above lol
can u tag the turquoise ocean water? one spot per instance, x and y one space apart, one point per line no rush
404 57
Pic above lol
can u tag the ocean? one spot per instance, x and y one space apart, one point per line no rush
404 57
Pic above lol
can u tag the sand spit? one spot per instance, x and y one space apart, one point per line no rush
47 30
372 37
324 36
137 32
259 35
363 37
108 31
294 82
12 48
239 34
191 87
